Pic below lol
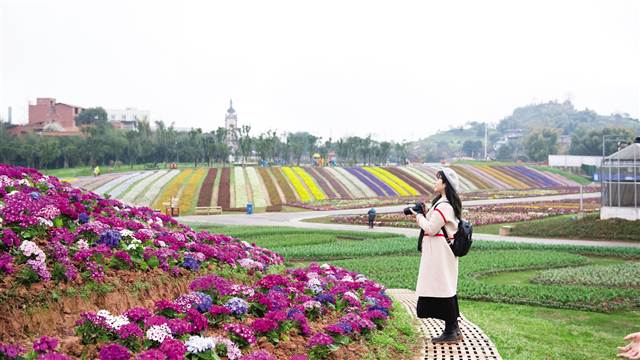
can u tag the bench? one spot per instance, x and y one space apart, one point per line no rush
208 210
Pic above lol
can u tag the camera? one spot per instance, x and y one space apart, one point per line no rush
417 207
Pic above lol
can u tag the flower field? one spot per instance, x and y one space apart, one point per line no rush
232 299
313 187
485 214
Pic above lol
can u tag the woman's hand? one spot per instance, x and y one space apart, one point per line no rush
632 350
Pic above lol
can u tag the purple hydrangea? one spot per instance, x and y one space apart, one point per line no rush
237 306
111 238
205 302
191 263
83 218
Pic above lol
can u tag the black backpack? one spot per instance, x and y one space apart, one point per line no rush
462 239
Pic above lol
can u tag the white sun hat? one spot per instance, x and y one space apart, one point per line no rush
452 177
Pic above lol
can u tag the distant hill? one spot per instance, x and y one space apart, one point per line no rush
562 116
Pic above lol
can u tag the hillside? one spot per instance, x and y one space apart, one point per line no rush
561 116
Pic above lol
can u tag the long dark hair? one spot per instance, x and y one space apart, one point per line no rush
451 194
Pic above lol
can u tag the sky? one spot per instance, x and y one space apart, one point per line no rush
395 70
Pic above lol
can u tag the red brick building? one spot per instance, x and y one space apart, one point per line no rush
50 118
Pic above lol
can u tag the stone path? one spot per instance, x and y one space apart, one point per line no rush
475 346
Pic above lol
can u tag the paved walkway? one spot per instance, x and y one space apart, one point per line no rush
296 219
475 345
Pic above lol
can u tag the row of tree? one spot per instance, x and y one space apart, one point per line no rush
540 143
101 144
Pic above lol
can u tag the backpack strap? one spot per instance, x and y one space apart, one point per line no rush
444 231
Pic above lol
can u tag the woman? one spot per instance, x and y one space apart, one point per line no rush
438 274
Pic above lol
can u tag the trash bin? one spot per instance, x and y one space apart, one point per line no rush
249 208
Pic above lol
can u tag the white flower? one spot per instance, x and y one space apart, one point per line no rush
159 333
312 305
351 295
45 222
162 243
135 243
312 275
325 266
197 344
347 278
82 244
126 232
114 322
314 285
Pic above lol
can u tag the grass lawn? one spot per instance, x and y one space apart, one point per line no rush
523 332
499 274
569 227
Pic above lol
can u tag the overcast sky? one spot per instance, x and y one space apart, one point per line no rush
395 69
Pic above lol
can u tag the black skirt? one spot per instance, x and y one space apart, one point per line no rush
440 308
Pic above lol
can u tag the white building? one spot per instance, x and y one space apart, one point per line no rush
231 124
128 118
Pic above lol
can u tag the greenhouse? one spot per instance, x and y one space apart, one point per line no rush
620 174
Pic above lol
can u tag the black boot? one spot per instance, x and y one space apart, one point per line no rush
450 335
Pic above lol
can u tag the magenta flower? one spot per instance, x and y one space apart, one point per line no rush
173 349
114 352
45 344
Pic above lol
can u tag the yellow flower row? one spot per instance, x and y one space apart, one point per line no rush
399 185
517 184
317 193
172 189
191 190
297 185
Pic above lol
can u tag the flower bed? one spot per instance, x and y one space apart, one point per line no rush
155 188
284 185
483 215
376 185
309 183
239 188
303 194
334 183
356 187
259 196
190 190
224 196
410 180
616 275
139 188
274 196
172 189
401 187
322 182
206 190
54 234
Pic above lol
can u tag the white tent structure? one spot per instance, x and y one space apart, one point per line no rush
620 174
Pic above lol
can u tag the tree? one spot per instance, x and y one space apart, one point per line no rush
472 147
540 143
589 142
92 116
